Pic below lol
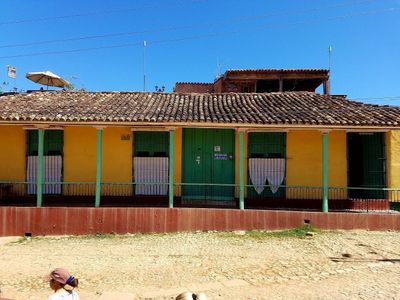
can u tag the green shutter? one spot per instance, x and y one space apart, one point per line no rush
53 142
151 144
31 142
267 145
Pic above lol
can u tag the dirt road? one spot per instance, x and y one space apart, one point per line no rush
328 265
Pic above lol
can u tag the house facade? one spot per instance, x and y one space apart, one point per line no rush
275 149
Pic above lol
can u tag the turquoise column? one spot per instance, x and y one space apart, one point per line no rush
324 171
241 170
171 170
39 175
99 145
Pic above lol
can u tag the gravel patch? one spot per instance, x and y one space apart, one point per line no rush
325 265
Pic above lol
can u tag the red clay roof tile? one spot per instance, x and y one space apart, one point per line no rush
300 108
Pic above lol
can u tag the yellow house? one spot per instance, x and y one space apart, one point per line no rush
270 150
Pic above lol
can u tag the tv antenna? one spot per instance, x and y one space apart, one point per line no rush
218 69
329 58
159 89
144 65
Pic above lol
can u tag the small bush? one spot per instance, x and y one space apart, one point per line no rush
395 206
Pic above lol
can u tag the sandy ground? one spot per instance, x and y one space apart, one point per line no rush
328 265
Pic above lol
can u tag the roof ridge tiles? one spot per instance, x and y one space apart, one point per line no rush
194 82
278 70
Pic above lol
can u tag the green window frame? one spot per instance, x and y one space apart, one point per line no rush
151 144
267 145
53 142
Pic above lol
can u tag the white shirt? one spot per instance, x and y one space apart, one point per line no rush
62 294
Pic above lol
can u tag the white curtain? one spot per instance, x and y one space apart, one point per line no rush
52 172
151 170
263 169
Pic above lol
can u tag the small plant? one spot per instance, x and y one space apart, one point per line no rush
105 235
395 206
69 87
298 232
72 87
22 240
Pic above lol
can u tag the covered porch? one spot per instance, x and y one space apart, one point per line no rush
279 150
220 167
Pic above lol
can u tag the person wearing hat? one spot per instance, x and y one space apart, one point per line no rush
63 284
191 296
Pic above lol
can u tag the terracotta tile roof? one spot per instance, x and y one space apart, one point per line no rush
193 87
289 108
279 71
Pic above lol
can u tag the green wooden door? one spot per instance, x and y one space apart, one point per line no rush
366 164
266 145
208 160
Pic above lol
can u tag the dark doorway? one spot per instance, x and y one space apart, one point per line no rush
366 164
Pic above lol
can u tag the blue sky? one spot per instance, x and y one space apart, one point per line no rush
194 39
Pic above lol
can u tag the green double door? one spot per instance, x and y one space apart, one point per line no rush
208 164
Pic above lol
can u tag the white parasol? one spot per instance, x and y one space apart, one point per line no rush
47 78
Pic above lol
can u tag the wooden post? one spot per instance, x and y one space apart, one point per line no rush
241 170
280 85
39 179
325 171
327 87
171 170
99 146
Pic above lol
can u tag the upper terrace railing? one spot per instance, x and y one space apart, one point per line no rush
199 195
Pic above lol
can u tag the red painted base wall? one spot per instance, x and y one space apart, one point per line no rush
16 221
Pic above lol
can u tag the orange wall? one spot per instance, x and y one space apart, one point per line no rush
12 153
117 155
393 163
80 154
80 158
304 158
304 155
304 161
177 160
117 161
337 159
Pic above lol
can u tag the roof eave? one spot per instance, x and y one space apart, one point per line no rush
248 126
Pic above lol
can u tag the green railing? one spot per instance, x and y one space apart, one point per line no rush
206 191
200 194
